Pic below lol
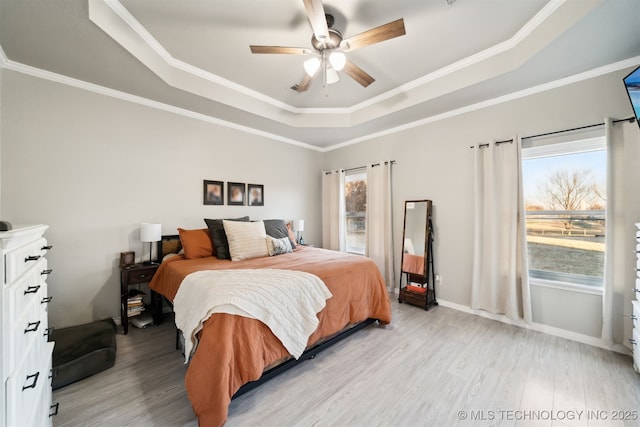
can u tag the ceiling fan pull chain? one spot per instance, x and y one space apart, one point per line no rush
325 85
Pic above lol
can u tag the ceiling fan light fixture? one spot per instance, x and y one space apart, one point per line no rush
337 60
311 66
332 76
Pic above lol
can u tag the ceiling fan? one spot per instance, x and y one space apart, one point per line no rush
329 47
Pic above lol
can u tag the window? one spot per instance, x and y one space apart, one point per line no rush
355 197
565 201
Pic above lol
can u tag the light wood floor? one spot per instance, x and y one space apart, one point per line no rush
420 371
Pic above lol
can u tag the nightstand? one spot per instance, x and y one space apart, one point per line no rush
133 275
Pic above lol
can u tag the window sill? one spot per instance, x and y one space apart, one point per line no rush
565 286
354 252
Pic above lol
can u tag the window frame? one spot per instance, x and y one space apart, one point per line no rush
559 145
353 174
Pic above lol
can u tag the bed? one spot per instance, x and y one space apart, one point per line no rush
234 353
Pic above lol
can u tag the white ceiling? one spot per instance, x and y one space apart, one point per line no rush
194 56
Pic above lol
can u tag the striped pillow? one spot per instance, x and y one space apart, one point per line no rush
246 239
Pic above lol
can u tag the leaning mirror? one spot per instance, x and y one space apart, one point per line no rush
417 255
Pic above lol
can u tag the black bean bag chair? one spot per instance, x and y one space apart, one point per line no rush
83 350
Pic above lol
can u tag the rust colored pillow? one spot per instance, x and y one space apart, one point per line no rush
196 243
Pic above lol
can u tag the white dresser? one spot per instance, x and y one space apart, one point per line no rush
25 396
635 315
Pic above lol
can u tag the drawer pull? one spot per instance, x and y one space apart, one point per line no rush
46 300
46 248
53 410
34 377
32 327
32 258
32 289
48 332
142 276
45 272
633 317
636 290
53 372
632 341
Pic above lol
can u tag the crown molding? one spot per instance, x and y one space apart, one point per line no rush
553 19
590 74
8 64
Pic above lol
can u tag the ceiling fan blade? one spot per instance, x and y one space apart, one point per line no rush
303 85
315 12
280 49
358 74
374 35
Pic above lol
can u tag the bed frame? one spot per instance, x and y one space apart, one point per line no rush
168 244
310 353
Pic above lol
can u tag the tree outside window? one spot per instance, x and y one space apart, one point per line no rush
355 193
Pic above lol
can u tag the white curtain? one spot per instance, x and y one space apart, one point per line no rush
623 210
500 273
333 231
379 239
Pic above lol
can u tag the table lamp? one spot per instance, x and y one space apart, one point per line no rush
150 233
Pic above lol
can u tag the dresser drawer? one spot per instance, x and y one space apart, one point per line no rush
27 390
29 332
30 287
636 350
21 259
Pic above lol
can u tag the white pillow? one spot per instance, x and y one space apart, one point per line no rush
278 246
246 239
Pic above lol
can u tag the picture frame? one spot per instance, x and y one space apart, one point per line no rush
236 193
255 195
213 192
127 258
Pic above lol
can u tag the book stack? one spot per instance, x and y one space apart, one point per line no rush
135 305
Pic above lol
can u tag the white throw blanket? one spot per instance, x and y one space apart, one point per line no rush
286 301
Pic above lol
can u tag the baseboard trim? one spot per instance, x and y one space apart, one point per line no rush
545 329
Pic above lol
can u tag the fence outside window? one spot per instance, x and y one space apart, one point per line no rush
567 246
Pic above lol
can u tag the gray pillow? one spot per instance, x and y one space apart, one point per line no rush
219 237
277 228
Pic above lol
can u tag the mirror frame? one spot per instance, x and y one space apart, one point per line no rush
427 238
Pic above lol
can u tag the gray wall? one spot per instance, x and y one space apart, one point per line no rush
435 162
95 167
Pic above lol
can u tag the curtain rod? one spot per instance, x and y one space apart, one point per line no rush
628 119
393 162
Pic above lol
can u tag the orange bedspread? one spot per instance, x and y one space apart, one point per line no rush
235 350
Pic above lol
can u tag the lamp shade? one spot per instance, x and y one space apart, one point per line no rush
299 225
332 76
311 66
337 60
150 232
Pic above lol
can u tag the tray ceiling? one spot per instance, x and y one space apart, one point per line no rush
194 57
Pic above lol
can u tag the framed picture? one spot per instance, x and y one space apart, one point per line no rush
127 258
256 194
235 193
213 192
